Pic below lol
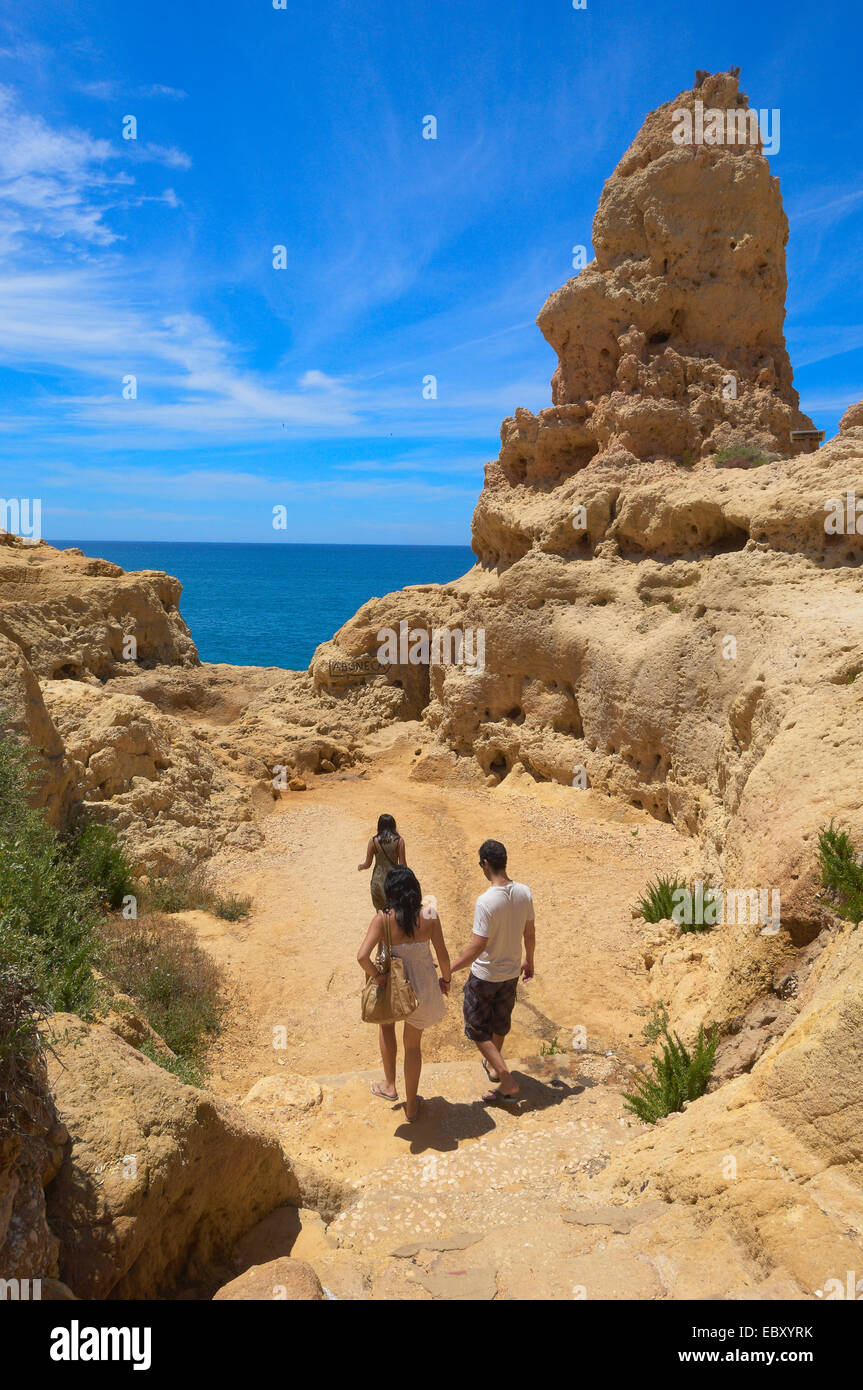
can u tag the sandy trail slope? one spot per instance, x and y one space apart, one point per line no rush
293 961
471 1201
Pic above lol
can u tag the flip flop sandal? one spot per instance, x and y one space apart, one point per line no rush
498 1098
382 1095
491 1076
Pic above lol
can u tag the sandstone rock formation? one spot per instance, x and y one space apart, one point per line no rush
852 419
774 1156
66 616
75 617
25 714
689 240
284 1279
277 1099
159 1179
141 771
32 1140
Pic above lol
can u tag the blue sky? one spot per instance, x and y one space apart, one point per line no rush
405 257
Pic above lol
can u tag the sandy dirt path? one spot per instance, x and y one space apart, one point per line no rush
292 962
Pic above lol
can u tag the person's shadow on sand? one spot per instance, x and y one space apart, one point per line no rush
441 1123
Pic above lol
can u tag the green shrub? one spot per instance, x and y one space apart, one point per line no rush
176 984
656 903
20 1041
678 1076
187 888
48 917
55 936
841 872
656 1024
190 1073
740 456
101 861
548 1049
231 907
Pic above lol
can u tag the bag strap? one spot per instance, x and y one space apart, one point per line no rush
387 934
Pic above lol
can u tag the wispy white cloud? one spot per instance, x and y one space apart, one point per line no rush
825 207
107 89
421 462
831 401
94 320
191 381
158 89
192 485
61 183
146 152
90 322
820 343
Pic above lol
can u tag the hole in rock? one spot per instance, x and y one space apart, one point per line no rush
735 538
656 338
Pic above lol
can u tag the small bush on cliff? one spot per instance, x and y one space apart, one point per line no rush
55 936
656 1025
740 456
177 985
48 916
841 872
678 1076
20 1041
188 887
102 863
657 901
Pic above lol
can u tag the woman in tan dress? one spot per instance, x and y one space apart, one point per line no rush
387 849
414 928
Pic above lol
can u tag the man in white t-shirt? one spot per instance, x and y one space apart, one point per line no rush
502 920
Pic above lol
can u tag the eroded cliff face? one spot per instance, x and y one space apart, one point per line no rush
67 617
675 628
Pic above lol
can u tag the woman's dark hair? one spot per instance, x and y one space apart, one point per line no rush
404 895
387 825
494 854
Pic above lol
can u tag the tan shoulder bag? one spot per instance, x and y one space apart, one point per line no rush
394 1000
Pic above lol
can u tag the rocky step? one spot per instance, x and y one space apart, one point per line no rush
337 1124
478 1202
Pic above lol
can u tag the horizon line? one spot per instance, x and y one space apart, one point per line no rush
342 545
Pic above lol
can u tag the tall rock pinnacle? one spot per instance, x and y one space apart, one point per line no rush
670 344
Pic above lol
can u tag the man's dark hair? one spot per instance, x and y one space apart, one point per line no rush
493 853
